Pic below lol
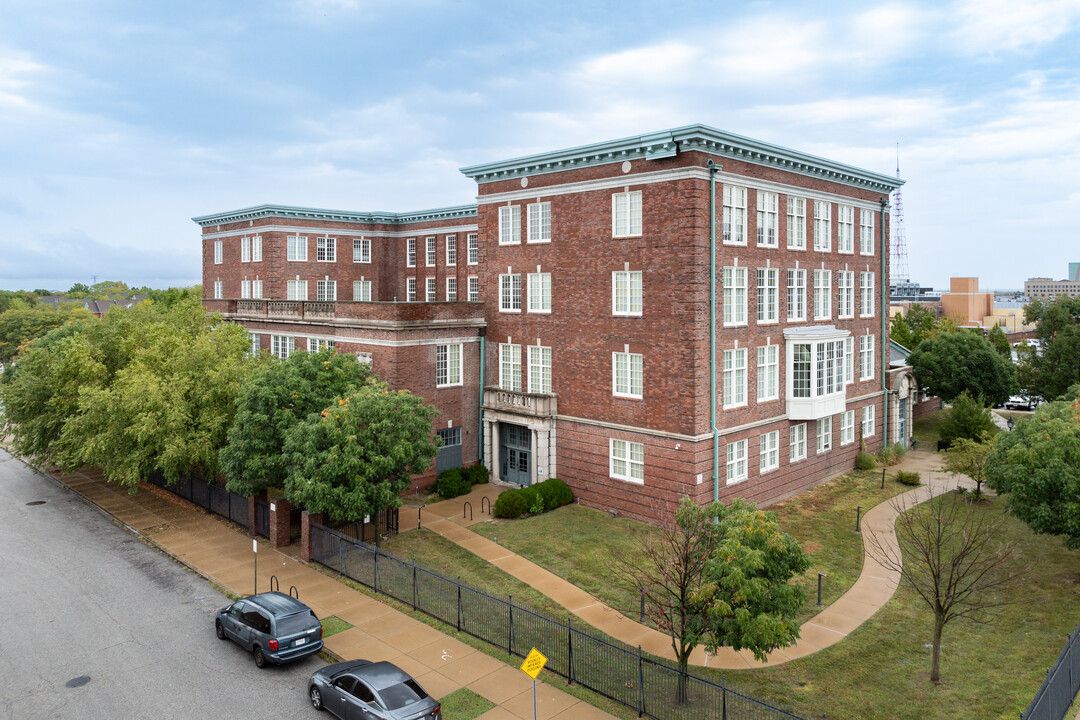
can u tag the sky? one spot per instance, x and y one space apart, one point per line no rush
120 120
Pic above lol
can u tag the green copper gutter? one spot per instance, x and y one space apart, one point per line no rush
713 168
884 336
480 420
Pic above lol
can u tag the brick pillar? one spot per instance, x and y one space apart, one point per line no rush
279 522
306 553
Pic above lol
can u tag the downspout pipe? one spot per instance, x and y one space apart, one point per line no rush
884 332
480 414
713 169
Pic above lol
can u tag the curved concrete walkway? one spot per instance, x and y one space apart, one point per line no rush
874 587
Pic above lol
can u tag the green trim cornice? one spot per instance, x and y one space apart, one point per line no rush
303 213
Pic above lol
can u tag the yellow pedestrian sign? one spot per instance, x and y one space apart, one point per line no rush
533 664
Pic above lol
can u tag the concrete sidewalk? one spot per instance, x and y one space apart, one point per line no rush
222 552
874 587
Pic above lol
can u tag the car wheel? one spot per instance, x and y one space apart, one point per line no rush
220 630
316 698
260 659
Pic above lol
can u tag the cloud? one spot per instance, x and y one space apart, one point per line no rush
994 26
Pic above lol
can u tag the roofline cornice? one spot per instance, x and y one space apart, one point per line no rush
304 213
668 143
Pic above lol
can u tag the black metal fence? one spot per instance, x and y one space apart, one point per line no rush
651 686
209 496
1059 688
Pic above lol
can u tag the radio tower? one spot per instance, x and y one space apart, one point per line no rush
898 253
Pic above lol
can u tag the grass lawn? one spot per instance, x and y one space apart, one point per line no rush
927 430
333 625
988 670
464 704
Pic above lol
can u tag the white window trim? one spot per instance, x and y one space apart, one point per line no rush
431 290
329 249
734 233
843 213
410 289
629 293
826 287
506 301
823 241
510 225
774 287
796 223
449 350
629 393
863 226
219 252
300 246
732 291
362 250
451 289
535 220
471 282
431 251
536 384
544 279
797 273
845 292
770 451
797 442
627 449
629 197
410 252
732 389
763 370
450 250
514 375
472 240
768 207
736 454
869 417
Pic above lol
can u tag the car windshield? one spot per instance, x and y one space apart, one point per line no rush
295 623
399 696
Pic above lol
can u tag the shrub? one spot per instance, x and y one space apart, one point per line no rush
899 449
865 461
886 456
534 501
511 504
908 478
967 418
477 474
453 483
559 492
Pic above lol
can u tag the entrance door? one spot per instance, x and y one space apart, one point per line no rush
902 421
514 453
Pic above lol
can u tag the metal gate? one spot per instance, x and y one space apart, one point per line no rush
515 453
262 518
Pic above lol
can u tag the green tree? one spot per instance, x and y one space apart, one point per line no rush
1000 342
170 297
356 456
80 290
953 362
16 298
750 600
968 457
25 322
272 401
967 419
1038 466
900 332
922 322
168 409
1056 365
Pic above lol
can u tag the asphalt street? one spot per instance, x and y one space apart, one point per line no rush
81 597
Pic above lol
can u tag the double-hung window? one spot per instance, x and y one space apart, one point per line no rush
822 226
472 241
451 289
845 292
539 222
219 290
281 346
410 252
770 451
296 248
768 372
474 288
317 344
627 374
429 289
627 461
326 290
296 290
361 291
219 251
849 360
866 294
431 252
256 289
451 249
245 289
847 428
539 292
245 249
796 294
326 249
845 229
626 214
824 434
734 295
510 225
510 367
734 377
256 248
766 219
768 290
539 369
822 294
734 215
796 223
510 293
410 289
866 357
736 462
797 442
626 292
447 365
361 250
254 343
866 231
868 414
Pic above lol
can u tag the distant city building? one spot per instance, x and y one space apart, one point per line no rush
909 291
972 308
1046 289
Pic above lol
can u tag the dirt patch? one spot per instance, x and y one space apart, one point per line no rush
812 547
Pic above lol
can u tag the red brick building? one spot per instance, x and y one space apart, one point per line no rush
683 313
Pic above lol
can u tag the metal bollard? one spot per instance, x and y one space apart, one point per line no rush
819 576
858 517
882 478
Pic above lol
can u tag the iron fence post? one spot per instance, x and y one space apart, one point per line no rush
414 584
340 557
569 651
723 697
510 626
642 591
459 603
641 683
375 570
